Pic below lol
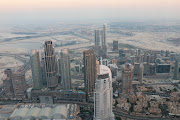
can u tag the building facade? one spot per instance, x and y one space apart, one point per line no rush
104 42
7 84
36 70
127 78
103 95
90 73
176 70
98 37
14 84
64 69
115 45
50 69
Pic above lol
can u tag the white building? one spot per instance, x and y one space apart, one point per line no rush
103 95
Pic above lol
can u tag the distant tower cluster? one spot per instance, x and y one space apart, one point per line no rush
101 36
100 41
127 78
90 73
64 69
103 95
50 69
48 72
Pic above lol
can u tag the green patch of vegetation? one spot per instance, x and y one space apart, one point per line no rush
131 109
164 108
148 104
175 90
118 118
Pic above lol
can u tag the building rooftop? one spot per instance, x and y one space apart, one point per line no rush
43 111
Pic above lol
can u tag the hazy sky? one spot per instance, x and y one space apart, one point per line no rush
22 11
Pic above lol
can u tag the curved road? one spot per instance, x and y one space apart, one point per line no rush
122 114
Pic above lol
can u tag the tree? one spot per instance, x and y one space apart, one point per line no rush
115 103
118 118
148 104
131 109
164 108
175 90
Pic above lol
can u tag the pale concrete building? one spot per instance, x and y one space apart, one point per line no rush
103 95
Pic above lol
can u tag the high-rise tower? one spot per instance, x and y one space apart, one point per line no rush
176 70
64 69
7 84
90 73
36 70
115 45
141 70
103 95
50 69
104 42
98 37
15 84
127 79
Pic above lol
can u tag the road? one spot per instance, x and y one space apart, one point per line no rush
74 46
160 94
116 111
122 114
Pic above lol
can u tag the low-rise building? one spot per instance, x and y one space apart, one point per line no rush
132 98
138 108
154 110
50 97
174 108
121 100
174 96
124 106
154 104
40 111
144 104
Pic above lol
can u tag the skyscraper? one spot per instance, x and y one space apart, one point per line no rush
19 84
127 79
7 84
36 70
138 71
101 36
98 37
50 69
43 71
15 84
138 52
141 69
64 69
103 95
115 45
176 70
90 73
104 41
